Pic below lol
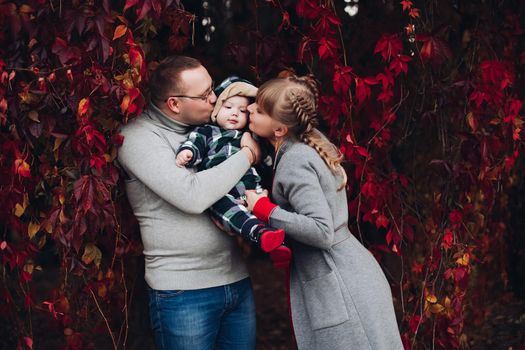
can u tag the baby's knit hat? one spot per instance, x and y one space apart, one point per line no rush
231 86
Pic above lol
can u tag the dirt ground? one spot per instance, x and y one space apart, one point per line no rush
502 329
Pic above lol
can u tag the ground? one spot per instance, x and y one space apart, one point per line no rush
502 329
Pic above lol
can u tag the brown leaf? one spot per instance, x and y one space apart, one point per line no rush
32 229
91 254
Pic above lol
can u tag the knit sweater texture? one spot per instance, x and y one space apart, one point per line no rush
183 249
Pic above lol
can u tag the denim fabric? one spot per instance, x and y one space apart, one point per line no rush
211 318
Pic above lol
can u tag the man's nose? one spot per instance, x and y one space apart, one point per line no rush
213 98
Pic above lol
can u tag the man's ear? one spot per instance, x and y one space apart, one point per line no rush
280 130
173 104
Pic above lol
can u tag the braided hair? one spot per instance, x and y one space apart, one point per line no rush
294 101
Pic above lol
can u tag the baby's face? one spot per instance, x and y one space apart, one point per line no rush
233 113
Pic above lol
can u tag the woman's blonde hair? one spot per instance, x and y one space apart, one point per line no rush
293 101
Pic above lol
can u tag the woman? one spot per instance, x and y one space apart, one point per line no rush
339 296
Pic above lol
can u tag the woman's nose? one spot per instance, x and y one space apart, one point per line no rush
250 107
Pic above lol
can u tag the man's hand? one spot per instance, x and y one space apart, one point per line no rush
254 149
221 227
252 197
183 158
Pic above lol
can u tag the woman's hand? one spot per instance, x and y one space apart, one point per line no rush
254 151
252 197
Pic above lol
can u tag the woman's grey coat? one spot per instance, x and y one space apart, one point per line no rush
340 298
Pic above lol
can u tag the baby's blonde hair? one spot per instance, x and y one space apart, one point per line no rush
293 101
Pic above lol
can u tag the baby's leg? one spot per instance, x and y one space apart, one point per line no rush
237 219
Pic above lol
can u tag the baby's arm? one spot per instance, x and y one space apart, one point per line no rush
193 150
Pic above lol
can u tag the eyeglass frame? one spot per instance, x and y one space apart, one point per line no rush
202 98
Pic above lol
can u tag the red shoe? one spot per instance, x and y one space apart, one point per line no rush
270 239
281 257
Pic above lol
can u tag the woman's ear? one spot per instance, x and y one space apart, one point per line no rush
280 130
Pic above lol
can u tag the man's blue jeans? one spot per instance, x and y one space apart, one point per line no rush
211 318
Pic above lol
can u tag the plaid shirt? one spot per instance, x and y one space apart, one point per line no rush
211 145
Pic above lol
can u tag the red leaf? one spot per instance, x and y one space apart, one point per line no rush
408 232
414 323
434 49
327 47
386 79
29 342
417 268
66 53
303 48
385 96
51 308
515 107
285 23
342 79
362 151
28 302
389 45
448 238
407 4
368 217
478 97
307 9
326 22
414 12
143 10
26 276
83 190
455 217
362 90
399 64
22 168
381 221
97 162
130 3
497 73
388 237
157 7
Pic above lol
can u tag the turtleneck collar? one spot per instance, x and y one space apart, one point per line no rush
162 120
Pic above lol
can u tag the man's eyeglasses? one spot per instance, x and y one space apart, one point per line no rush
203 98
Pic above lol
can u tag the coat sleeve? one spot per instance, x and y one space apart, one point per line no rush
148 158
311 221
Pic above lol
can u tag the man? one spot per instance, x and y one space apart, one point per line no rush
200 294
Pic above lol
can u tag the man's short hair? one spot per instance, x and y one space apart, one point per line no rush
165 79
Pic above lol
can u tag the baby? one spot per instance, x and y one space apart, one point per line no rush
209 145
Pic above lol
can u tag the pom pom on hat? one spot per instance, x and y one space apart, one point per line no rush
232 86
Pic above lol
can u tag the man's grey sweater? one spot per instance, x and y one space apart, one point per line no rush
182 247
